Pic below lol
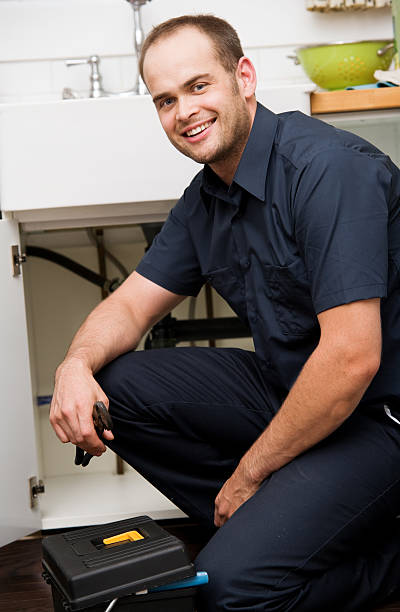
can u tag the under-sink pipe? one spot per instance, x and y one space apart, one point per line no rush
73 266
110 256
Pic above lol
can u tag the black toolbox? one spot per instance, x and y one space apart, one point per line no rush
89 568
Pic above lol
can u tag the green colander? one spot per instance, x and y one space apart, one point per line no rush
344 64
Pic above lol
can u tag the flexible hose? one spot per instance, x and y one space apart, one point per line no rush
73 266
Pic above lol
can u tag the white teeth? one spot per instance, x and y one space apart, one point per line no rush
199 129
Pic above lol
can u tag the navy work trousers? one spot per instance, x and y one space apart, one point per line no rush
320 534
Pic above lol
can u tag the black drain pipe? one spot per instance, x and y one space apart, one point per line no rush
73 266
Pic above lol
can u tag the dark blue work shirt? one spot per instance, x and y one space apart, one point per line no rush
310 221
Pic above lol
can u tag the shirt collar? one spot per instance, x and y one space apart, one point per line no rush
251 172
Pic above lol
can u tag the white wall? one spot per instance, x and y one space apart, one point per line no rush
36 36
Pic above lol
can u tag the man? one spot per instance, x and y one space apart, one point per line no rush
291 451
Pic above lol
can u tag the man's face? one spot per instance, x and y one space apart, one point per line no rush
200 105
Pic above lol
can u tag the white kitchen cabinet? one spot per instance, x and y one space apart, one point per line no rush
18 461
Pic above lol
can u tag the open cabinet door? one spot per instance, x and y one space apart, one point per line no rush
18 460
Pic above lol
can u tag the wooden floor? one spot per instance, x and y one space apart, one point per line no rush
22 588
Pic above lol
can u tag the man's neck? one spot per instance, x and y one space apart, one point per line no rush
226 169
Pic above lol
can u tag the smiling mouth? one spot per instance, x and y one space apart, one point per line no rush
199 129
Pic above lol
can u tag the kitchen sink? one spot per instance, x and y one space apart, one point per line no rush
85 152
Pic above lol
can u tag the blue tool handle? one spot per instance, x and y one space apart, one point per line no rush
199 579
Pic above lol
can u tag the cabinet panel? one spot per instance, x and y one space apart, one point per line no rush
17 450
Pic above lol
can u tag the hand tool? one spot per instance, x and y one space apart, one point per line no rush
101 421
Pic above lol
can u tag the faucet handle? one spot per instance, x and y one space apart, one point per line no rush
92 60
96 89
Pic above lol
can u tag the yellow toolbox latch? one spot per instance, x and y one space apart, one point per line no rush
131 536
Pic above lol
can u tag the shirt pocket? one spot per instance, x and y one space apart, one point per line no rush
288 290
230 287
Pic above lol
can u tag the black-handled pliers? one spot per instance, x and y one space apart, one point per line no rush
101 421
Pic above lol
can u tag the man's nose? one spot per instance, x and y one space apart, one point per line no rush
186 108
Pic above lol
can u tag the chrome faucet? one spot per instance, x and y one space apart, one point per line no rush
96 87
138 38
96 82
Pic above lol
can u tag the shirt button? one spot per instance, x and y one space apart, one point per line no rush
244 263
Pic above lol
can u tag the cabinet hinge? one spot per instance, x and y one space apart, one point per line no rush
17 259
35 489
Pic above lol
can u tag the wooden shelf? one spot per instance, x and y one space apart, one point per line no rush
354 100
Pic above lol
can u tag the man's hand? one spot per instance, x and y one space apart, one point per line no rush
71 410
236 490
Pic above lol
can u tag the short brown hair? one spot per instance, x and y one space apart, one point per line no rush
224 37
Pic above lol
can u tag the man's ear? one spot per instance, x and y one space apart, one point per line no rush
246 77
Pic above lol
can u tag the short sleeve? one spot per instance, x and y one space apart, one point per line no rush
171 261
341 217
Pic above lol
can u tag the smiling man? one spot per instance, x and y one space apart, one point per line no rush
205 115
291 451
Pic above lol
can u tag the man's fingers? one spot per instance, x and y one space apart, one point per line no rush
65 430
60 434
218 519
93 445
78 429
88 438
108 435
73 422
65 420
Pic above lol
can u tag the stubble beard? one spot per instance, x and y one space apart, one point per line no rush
232 141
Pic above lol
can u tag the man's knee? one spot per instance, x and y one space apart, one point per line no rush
235 586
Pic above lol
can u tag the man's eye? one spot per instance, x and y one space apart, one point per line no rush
199 86
166 102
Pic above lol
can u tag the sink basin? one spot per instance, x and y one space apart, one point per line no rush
80 153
